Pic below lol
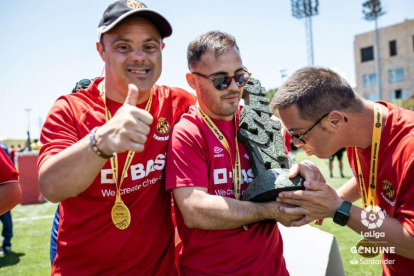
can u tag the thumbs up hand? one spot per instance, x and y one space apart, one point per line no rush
128 128
132 96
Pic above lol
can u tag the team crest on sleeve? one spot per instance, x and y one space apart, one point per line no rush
388 189
136 5
163 127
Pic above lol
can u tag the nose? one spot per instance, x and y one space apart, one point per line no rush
233 86
138 56
298 143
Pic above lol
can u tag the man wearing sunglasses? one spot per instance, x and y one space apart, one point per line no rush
324 114
209 170
104 150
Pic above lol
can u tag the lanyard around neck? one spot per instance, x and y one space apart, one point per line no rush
375 145
237 165
114 159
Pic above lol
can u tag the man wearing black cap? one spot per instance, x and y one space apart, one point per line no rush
104 151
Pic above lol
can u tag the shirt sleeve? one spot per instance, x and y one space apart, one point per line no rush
182 100
59 131
186 157
405 212
8 172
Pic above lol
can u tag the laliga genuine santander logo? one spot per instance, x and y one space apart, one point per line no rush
372 217
368 246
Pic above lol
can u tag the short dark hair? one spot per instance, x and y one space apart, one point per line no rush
316 91
214 41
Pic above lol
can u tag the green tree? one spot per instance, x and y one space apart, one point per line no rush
271 93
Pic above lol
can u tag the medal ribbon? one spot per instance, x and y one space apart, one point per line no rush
375 144
114 159
223 141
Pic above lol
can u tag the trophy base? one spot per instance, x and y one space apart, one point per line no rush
266 186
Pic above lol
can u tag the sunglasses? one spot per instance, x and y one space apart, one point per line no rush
223 82
82 84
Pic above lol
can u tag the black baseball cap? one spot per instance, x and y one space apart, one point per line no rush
121 9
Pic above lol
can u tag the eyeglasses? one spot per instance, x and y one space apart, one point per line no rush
299 137
223 82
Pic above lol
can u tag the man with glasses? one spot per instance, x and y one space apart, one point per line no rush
208 171
104 150
324 114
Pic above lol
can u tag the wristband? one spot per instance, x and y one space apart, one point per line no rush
95 147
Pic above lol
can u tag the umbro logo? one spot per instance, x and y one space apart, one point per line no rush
217 152
217 149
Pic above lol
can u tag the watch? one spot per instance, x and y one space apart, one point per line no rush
342 214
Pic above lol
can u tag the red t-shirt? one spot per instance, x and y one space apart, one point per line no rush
88 243
197 158
395 179
8 172
288 140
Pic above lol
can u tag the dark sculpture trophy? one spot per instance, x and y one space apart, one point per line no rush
263 140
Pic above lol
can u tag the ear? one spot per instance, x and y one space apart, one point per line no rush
100 49
337 119
191 81
162 45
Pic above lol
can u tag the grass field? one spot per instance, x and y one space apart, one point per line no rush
32 224
30 243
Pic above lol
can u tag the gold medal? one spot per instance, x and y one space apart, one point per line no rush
367 249
120 214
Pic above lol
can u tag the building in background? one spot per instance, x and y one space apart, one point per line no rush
396 53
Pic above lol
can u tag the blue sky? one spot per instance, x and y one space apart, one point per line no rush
47 46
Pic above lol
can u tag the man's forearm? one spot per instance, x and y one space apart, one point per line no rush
349 191
210 212
219 213
70 172
395 234
10 195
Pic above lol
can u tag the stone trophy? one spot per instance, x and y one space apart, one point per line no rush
263 140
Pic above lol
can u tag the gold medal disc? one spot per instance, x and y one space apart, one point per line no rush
120 215
367 249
